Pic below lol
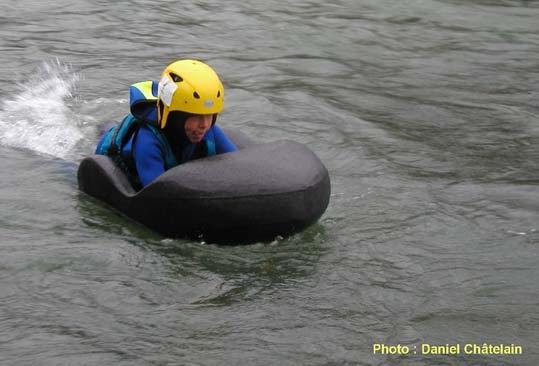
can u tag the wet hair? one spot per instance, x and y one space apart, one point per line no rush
175 131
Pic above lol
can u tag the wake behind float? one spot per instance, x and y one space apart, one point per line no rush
254 194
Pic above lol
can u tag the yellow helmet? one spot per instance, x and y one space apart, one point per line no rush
189 86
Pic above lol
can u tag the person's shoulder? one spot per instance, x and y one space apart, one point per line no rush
146 139
222 141
147 132
217 130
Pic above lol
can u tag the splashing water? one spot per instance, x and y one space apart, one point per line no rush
39 117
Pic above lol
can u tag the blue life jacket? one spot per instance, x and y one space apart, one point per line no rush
143 106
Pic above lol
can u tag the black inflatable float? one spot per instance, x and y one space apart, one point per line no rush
255 194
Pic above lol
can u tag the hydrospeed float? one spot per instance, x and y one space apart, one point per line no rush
261 191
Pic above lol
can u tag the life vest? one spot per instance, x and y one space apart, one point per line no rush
143 101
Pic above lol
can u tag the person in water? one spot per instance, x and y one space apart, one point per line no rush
171 122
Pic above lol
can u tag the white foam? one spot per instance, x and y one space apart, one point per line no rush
39 117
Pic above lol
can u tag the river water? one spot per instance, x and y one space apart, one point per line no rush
426 114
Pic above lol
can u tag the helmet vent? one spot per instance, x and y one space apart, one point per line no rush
218 93
195 94
176 78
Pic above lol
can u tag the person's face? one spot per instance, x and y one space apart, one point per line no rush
197 125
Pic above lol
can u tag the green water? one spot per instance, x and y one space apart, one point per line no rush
425 113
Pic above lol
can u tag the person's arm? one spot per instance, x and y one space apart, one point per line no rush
148 156
222 142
